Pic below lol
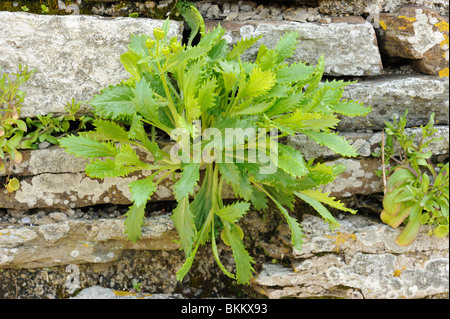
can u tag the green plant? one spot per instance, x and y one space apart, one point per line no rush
50 128
416 191
17 134
12 128
44 8
193 92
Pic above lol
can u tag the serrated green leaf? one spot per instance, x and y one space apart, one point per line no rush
351 108
259 199
255 109
137 132
334 142
243 260
322 210
144 101
194 20
82 146
266 59
114 102
184 56
207 95
296 230
142 190
301 120
184 223
109 131
127 157
107 168
134 221
232 213
137 45
326 199
286 46
259 83
314 81
129 60
291 161
295 72
241 46
187 182
285 105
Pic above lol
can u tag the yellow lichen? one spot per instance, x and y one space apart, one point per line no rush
445 42
442 26
341 238
444 73
397 272
407 18
383 25
123 293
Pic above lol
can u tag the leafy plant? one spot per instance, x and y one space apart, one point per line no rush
204 89
17 134
416 191
12 128
50 127
44 8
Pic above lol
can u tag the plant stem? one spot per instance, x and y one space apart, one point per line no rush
172 107
382 161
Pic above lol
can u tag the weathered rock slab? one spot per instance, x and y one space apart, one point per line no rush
361 7
417 33
390 96
75 56
80 241
348 44
367 143
359 260
98 292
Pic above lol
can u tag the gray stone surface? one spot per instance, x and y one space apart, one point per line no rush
417 33
75 56
366 143
359 260
360 7
98 292
78 241
348 44
52 178
391 95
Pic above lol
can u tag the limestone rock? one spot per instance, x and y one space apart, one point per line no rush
98 292
417 33
80 241
75 56
367 143
360 7
359 260
348 44
421 95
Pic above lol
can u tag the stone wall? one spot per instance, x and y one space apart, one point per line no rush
63 231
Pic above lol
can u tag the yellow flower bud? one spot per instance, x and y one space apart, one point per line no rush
165 50
150 43
158 33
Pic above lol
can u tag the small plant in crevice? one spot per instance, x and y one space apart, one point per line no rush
225 117
12 128
416 190
17 134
